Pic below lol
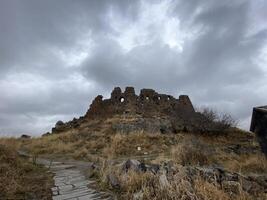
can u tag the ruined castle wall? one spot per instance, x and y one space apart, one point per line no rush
165 111
149 103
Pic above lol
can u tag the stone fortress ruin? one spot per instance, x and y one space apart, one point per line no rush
149 103
148 111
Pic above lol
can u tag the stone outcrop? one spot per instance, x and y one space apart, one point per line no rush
24 136
148 111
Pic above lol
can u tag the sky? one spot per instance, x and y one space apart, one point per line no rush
56 56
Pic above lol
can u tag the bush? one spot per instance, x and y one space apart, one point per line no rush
215 121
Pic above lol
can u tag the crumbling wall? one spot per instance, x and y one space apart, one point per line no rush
149 103
165 110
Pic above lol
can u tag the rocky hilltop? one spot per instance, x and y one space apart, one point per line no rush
149 111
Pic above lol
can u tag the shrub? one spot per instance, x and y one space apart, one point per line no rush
215 121
192 152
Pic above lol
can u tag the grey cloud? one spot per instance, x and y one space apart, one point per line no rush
216 67
222 55
32 34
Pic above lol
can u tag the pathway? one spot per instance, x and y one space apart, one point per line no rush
71 183
70 180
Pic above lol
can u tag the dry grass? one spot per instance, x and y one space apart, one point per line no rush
20 179
127 144
191 151
245 164
179 187
12 142
185 149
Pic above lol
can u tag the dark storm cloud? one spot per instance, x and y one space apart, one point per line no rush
55 56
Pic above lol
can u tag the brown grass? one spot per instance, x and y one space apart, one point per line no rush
20 179
179 187
185 149
192 151
245 164
127 144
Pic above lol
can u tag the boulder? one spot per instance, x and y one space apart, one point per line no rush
24 136
132 165
154 168
113 181
59 124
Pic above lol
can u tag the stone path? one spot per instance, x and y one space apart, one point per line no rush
70 180
70 183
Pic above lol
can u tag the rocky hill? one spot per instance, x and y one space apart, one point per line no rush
156 146
149 111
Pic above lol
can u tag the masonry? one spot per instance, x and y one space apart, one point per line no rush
259 126
149 111
148 104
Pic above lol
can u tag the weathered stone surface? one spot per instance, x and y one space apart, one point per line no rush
71 183
231 182
154 168
113 181
131 165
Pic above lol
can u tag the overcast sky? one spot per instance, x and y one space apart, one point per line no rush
56 56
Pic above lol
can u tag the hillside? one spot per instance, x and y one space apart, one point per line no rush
146 134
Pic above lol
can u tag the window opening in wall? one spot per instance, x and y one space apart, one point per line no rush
122 99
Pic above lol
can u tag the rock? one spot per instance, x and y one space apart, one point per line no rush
46 134
231 187
168 167
24 136
113 181
131 164
138 195
154 168
59 123
93 168
230 182
142 167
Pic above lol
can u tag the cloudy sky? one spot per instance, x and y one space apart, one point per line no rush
56 56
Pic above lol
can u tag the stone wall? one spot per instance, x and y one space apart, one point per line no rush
259 126
149 111
149 103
